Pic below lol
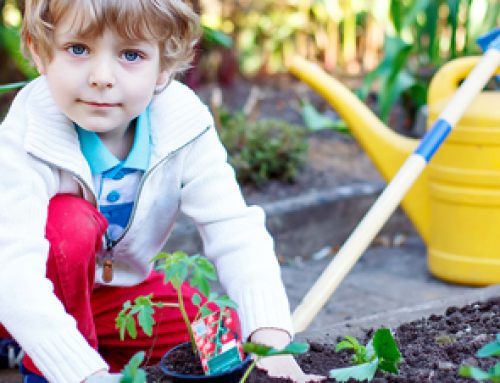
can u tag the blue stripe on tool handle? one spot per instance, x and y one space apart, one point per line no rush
490 40
433 139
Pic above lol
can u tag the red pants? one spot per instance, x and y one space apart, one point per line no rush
74 229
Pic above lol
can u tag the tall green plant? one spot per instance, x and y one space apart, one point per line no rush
416 40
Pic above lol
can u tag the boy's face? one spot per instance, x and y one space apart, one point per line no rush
101 83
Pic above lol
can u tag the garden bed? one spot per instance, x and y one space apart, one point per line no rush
433 348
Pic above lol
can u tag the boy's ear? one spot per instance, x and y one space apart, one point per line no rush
162 81
37 59
163 78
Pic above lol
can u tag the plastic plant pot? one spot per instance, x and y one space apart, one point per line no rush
230 376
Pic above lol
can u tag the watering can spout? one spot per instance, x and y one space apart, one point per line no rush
387 149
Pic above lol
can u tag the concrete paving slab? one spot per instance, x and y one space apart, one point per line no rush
385 278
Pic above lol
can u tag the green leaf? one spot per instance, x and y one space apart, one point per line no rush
10 41
385 346
131 328
217 37
120 325
199 281
205 311
9 87
365 371
395 13
145 319
293 348
388 366
490 349
474 373
196 299
224 301
411 15
256 348
315 121
131 372
349 342
206 267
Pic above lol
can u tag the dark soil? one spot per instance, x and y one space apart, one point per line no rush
183 361
433 348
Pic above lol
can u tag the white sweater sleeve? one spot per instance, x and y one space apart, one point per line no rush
234 237
28 307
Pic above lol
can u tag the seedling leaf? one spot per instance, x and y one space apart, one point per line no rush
490 349
205 311
474 373
206 267
293 348
361 354
198 280
196 299
225 301
388 366
385 346
348 342
131 328
131 373
365 371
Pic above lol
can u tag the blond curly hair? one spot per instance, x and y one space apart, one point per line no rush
172 23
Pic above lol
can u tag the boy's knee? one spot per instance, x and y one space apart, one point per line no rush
74 223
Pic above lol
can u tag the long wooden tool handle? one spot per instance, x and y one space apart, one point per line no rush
390 198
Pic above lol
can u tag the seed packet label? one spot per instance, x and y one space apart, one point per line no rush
219 345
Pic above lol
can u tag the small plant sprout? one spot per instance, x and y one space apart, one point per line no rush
143 308
260 351
132 373
493 373
381 353
178 267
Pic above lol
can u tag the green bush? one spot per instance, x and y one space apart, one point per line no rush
262 150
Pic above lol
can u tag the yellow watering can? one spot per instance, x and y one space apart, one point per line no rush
454 202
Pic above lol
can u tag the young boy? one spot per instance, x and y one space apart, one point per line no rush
98 156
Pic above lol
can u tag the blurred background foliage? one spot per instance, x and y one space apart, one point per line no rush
388 48
396 44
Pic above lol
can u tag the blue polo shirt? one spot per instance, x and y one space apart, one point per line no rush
117 182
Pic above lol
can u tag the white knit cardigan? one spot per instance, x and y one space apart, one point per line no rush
40 157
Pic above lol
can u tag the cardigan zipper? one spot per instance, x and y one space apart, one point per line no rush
108 243
143 180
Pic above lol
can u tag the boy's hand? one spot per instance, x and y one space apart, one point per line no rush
281 366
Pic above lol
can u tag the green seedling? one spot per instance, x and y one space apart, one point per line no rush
143 308
493 373
381 353
132 373
260 351
178 267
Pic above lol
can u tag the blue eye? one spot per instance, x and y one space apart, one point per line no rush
77 49
131 56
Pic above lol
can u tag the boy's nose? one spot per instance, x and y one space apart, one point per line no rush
102 75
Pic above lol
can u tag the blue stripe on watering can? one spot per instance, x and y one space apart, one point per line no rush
433 139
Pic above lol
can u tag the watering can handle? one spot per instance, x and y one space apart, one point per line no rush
446 82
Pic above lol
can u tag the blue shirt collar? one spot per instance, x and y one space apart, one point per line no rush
100 159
